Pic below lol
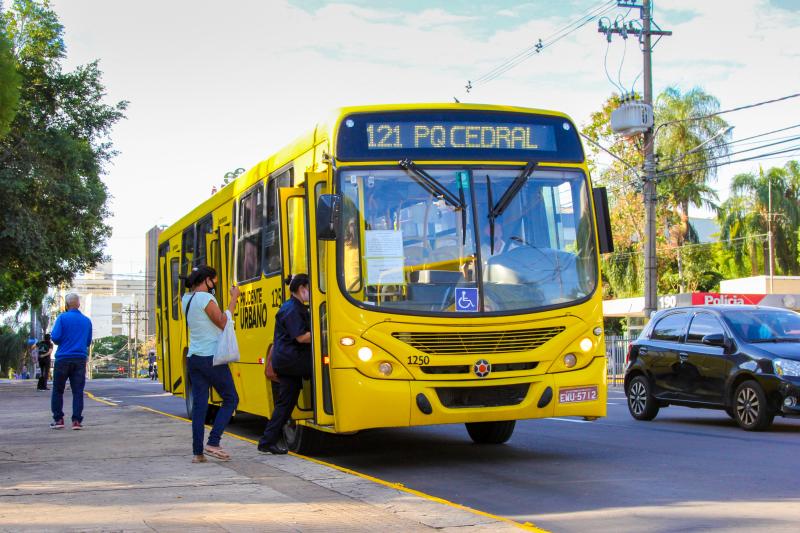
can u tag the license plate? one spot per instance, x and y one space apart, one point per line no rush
577 394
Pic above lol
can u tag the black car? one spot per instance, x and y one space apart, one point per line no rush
741 358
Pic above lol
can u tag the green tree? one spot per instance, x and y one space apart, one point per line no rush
623 271
9 80
745 217
12 348
51 162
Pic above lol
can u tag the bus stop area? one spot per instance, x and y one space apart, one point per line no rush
130 470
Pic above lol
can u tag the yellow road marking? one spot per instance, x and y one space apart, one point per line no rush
95 398
527 526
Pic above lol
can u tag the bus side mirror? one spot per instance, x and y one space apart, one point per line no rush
329 215
604 239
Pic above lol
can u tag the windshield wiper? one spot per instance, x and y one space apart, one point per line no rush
780 339
429 183
512 190
505 200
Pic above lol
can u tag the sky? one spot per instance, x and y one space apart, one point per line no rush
214 86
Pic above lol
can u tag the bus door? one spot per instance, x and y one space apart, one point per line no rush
317 185
162 315
294 252
213 259
173 366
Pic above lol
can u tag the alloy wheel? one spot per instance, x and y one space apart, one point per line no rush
747 406
637 397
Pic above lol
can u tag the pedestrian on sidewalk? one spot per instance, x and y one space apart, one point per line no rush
45 347
291 360
72 333
205 322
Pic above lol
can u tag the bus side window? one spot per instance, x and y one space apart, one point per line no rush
251 219
272 236
187 251
204 227
176 286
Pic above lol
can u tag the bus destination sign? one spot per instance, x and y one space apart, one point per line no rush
449 135
453 134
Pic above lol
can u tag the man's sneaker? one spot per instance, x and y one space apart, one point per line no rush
75 425
57 424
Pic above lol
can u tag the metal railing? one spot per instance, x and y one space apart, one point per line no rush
616 350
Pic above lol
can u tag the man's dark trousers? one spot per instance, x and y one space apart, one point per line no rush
73 370
44 369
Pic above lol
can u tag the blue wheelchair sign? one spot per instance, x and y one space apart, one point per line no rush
467 299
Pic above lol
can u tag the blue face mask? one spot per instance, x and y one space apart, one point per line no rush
212 290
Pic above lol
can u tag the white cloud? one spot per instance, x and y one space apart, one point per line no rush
216 86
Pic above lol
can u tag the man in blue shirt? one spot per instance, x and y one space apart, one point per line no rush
72 333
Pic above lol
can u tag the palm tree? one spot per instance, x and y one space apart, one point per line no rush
754 200
688 145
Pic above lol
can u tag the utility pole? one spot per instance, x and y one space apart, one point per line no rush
136 343
128 351
769 233
649 189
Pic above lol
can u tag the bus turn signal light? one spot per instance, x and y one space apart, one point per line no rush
347 341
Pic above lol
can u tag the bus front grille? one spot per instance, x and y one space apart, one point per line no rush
496 396
466 369
483 342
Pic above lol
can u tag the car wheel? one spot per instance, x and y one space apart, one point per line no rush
641 403
750 407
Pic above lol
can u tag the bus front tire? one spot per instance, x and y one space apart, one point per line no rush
491 432
303 439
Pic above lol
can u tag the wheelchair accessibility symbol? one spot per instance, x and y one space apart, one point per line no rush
467 299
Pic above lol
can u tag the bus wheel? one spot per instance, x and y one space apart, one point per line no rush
490 432
303 439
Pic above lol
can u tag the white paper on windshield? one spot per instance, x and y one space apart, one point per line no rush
384 243
385 271
383 254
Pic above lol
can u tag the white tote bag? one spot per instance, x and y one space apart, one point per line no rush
227 347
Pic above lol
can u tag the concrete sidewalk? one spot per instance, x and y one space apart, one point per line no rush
130 470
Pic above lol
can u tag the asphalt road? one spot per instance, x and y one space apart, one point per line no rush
687 470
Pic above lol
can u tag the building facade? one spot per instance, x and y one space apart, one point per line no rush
151 274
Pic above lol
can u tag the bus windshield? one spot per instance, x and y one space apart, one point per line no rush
500 240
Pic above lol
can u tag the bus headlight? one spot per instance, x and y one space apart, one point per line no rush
570 360
586 344
365 353
385 368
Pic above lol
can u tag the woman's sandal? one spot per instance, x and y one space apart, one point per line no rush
199 459
219 453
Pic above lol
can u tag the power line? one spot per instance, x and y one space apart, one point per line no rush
740 108
541 44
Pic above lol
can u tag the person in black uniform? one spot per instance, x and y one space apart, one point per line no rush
291 360
45 347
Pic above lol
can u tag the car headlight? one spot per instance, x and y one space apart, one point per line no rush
787 367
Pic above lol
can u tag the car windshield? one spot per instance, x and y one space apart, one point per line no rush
408 248
765 325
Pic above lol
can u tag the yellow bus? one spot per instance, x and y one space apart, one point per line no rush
453 252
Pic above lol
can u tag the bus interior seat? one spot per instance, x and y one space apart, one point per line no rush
433 287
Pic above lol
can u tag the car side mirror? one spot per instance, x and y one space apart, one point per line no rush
715 339
329 215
